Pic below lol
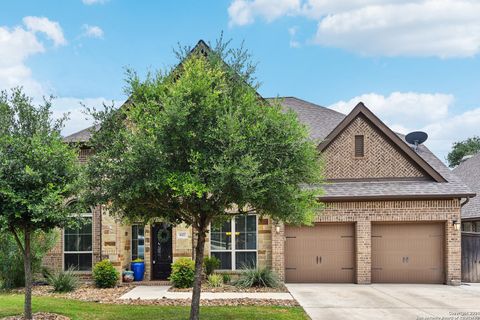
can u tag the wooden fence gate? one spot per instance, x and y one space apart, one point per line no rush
470 257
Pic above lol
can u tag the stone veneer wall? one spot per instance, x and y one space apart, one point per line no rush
364 213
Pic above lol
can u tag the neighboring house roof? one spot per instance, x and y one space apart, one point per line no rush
469 172
322 121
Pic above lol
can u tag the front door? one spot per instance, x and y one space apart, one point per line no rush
161 251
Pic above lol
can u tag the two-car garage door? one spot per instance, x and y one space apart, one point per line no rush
400 253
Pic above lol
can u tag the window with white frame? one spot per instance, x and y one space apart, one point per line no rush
234 243
138 242
78 245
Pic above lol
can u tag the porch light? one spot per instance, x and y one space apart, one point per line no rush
456 225
277 228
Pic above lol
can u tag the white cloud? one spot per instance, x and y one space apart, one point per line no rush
78 120
90 2
51 28
19 43
432 113
243 12
293 32
442 28
92 31
399 108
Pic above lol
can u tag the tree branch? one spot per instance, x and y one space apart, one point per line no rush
17 239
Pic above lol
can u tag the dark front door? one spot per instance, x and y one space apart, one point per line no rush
161 251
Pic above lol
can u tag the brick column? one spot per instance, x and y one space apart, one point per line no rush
363 243
453 251
278 250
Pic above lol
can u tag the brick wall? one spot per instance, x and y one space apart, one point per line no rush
54 258
364 213
381 158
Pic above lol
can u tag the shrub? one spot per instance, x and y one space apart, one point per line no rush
63 281
258 277
183 273
105 275
215 280
11 258
210 264
226 278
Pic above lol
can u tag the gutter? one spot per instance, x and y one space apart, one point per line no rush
395 197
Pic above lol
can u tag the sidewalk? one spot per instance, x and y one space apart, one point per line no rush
161 292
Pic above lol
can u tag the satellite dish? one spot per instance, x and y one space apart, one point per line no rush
416 137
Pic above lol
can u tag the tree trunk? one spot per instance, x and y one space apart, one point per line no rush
197 284
27 262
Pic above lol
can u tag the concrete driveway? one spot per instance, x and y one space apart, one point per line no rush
388 301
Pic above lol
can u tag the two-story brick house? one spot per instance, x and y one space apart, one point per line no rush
392 215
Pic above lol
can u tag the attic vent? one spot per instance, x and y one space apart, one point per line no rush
359 146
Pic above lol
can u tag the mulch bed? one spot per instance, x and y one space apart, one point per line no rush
85 292
231 288
39 316
214 302
111 296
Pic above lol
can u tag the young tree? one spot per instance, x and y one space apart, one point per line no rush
461 149
38 172
199 144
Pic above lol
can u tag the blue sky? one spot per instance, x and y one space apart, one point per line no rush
415 63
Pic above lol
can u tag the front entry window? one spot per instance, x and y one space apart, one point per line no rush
234 243
138 242
78 245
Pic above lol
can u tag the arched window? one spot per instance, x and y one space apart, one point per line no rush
78 244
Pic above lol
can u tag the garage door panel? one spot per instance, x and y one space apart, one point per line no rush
322 253
408 253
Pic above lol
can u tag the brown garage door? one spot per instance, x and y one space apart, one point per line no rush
408 253
322 253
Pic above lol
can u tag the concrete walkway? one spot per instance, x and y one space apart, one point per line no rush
388 301
161 292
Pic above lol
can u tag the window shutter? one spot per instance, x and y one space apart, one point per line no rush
359 146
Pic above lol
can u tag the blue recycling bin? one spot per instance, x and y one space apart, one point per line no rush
138 269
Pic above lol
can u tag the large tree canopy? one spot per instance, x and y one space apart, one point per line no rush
198 144
461 149
38 173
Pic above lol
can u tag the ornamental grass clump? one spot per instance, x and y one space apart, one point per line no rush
258 277
63 281
215 280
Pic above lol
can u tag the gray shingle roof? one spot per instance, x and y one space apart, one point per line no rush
321 121
81 136
469 172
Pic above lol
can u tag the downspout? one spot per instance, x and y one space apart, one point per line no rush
467 200
100 209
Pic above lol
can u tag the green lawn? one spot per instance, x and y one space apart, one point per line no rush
12 304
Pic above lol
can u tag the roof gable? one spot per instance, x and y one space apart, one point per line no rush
361 111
